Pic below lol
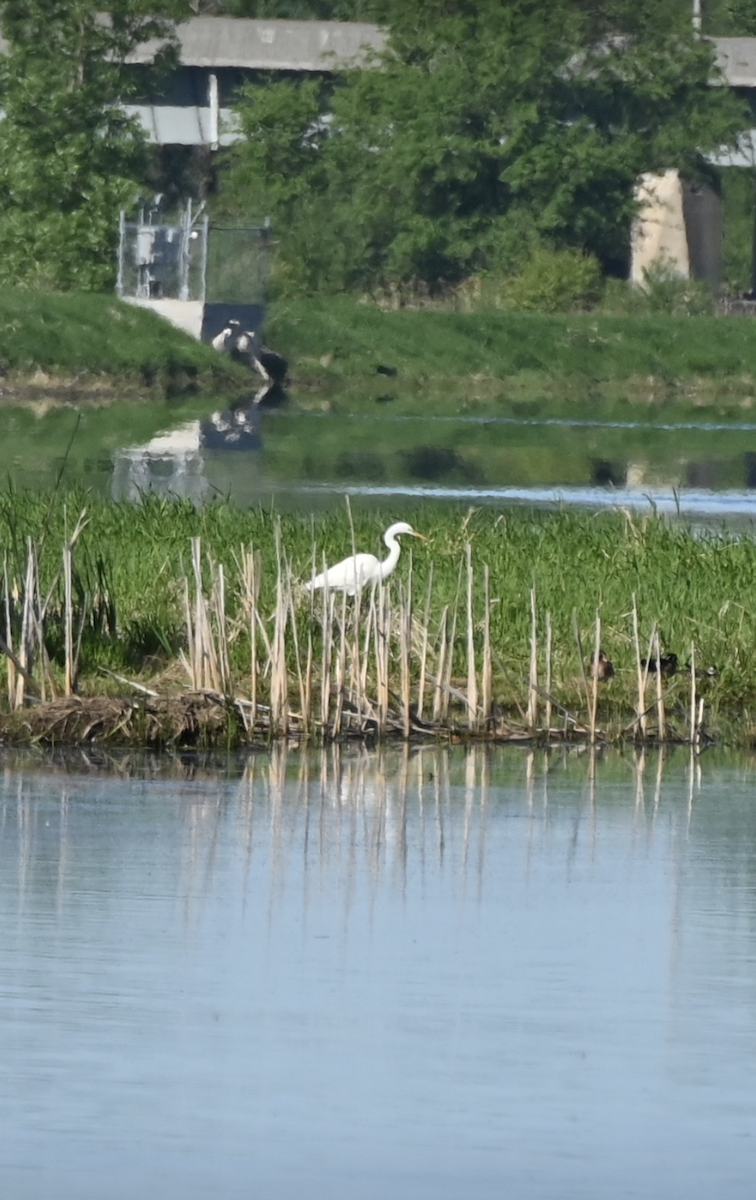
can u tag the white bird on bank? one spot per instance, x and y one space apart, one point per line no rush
363 570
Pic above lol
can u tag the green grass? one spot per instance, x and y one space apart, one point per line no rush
486 362
507 362
129 564
70 334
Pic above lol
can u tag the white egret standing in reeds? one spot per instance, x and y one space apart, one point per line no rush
362 570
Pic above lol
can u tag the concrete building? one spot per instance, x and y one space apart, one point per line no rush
218 55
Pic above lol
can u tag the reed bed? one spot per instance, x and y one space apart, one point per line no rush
162 624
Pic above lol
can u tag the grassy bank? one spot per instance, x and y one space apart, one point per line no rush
82 346
486 631
514 363
488 362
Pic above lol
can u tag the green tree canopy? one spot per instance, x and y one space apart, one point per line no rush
485 127
69 155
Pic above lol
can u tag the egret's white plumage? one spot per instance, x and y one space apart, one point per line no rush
364 570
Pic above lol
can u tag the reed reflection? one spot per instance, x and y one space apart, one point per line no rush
378 818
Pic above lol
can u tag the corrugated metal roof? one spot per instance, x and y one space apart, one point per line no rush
216 42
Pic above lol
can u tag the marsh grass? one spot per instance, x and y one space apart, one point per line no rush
487 632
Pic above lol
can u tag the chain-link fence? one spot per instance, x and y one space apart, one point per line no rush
193 260
238 264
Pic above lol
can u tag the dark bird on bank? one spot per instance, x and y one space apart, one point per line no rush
668 664
600 667
385 399
391 371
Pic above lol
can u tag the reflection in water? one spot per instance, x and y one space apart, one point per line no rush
431 973
380 803
172 464
695 469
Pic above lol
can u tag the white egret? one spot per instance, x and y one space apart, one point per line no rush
361 570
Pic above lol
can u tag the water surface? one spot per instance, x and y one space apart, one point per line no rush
411 975
701 468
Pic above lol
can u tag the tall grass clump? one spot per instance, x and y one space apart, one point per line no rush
490 630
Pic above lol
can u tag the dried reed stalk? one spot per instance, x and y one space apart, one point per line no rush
67 620
303 697
441 641
326 655
203 658
29 634
11 677
472 682
279 677
693 728
340 669
581 658
531 715
594 680
218 609
405 638
251 584
447 678
307 702
547 717
642 676
660 714
424 647
381 627
367 705
355 659
487 671
71 653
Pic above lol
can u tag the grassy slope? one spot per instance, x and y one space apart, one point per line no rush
72 335
488 362
514 361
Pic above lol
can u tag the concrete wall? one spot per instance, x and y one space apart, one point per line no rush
184 314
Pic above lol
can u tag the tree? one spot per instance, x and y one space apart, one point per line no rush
486 127
70 157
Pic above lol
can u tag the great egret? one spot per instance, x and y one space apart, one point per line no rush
360 570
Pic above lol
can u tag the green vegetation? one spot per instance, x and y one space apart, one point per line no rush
491 133
738 191
70 157
488 362
88 335
498 143
526 364
129 608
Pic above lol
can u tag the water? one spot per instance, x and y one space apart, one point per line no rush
434 974
701 469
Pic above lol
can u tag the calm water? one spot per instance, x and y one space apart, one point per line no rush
372 976
308 459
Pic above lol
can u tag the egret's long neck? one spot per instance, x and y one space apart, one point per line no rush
389 563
